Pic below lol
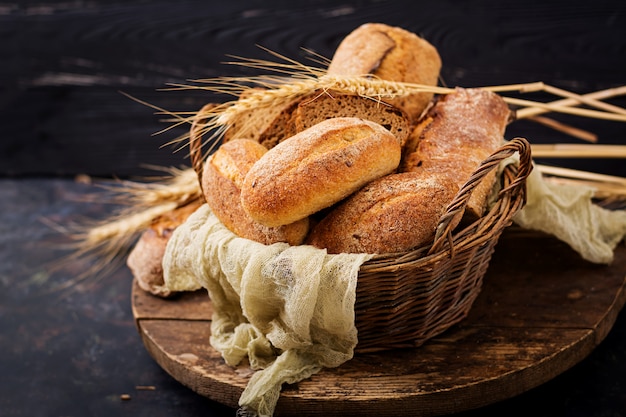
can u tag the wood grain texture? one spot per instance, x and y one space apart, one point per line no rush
542 310
74 353
64 65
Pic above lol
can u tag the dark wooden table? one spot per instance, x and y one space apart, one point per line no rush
64 64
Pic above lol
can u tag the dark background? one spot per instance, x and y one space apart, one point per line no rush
63 68
64 64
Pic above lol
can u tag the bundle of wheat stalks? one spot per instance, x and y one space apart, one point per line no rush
289 80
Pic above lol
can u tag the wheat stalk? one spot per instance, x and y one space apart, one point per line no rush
142 203
290 81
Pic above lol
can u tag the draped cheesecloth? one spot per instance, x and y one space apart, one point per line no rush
567 212
290 310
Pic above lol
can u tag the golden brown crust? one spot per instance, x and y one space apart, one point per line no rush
396 213
145 259
316 168
459 131
223 176
233 159
390 53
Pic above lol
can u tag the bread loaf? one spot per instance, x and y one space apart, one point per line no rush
316 168
390 53
324 105
267 126
396 213
145 259
461 130
222 179
277 124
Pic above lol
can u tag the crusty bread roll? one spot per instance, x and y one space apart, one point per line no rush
145 259
323 105
456 134
223 175
389 53
396 213
316 168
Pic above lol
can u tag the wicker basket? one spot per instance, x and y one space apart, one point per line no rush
404 299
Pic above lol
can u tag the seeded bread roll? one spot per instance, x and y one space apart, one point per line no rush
396 213
325 105
145 259
316 168
390 53
457 133
223 175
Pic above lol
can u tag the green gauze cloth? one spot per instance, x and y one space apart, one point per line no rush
289 310
568 213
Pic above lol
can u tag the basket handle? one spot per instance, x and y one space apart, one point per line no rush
457 206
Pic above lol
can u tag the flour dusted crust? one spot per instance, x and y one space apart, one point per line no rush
317 168
378 174
396 213
145 259
458 132
390 53
222 179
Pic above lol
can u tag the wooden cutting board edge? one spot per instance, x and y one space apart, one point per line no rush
426 404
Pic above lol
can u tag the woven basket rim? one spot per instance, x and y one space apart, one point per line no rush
511 198
445 276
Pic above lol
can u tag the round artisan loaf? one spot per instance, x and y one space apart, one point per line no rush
222 178
390 53
316 168
396 213
145 259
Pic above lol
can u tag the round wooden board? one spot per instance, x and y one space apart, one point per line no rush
542 309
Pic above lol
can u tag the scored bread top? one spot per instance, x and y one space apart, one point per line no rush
316 168
390 53
222 180
394 213
234 159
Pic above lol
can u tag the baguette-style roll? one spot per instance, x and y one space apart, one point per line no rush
456 134
393 54
316 168
223 175
324 105
396 213
144 261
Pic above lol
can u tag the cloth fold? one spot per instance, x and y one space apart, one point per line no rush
568 213
288 310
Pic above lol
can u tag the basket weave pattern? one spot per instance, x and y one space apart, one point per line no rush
404 299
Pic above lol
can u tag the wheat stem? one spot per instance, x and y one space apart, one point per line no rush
597 95
567 129
566 150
